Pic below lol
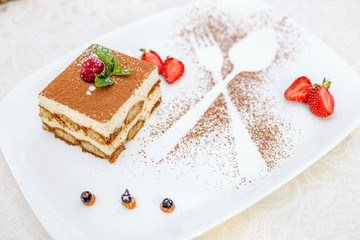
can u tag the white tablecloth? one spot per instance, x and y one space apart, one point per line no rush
321 203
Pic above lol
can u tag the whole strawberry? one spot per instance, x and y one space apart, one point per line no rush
152 57
320 100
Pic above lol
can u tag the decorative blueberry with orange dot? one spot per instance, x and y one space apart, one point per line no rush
167 205
87 198
127 200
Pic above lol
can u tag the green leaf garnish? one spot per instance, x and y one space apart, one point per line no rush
126 72
109 118
112 67
102 74
117 69
106 57
102 81
120 71
116 64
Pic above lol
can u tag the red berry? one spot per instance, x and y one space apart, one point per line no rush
299 90
321 102
173 69
90 68
152 57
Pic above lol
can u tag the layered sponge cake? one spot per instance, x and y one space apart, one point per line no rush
100 119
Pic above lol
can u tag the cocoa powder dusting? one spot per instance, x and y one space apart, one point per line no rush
173 110
70 90
267 128
210 146
209 137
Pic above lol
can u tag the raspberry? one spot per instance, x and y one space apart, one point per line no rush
90 68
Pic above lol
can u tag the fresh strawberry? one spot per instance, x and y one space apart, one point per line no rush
152 57
299 90
173 69
321 102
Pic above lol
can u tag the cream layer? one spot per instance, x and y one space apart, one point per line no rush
105 129
108 149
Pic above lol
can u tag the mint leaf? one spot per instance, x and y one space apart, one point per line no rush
112 67
124 72
101 81
116 63
109 118
119 71
103 74
106 57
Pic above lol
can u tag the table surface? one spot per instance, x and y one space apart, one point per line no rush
321 203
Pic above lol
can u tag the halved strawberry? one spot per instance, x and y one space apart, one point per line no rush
152 57
321 102
299 90
173 69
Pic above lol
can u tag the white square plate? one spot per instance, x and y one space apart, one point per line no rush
247 144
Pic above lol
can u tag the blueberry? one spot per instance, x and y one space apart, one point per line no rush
86 197
126 197
167 203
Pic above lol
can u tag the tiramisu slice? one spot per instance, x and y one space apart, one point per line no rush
100 119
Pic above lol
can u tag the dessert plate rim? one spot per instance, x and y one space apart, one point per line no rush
50 223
